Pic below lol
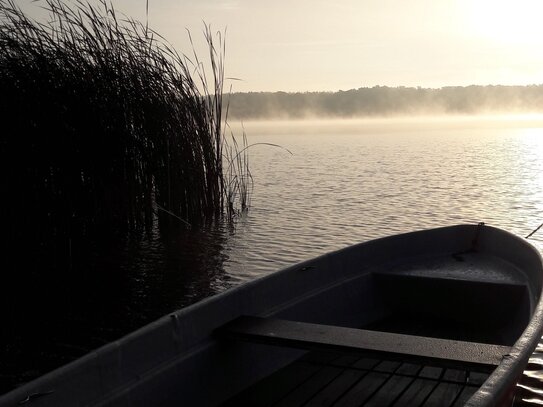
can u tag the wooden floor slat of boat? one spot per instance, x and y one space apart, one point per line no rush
346 380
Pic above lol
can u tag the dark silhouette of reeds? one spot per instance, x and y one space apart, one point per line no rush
106 132
103 125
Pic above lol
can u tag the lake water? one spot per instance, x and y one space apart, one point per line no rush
345 182
351 181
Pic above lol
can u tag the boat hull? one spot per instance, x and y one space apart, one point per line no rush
182 357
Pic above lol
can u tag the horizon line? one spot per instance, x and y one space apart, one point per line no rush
418 87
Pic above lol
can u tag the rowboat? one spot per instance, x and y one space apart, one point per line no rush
442 317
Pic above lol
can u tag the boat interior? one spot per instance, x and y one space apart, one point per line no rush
475 311
429 333
351 379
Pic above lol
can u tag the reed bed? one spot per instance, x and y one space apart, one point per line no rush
105 125
108 136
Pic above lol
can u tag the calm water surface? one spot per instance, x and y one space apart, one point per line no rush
356 180
345 182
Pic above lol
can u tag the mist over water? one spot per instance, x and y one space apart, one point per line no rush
384 101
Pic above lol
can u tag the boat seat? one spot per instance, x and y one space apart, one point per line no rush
336 338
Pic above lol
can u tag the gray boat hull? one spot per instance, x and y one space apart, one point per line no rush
180 358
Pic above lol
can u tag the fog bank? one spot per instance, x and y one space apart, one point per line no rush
383 101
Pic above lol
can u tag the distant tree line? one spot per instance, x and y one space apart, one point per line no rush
385 101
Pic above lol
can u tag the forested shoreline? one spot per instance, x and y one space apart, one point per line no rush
387 101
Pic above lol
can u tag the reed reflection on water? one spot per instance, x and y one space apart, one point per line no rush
346 182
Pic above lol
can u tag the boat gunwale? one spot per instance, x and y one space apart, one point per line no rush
494 388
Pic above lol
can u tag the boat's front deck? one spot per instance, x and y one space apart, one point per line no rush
350 379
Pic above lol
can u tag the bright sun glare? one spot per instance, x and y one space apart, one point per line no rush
509 22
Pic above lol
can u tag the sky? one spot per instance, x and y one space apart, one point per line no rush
314 45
